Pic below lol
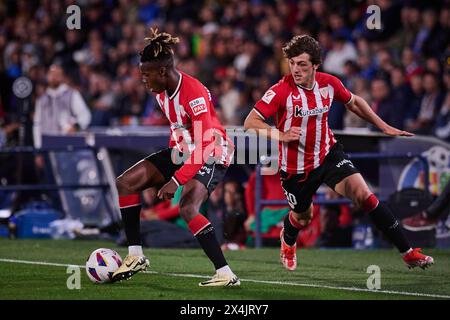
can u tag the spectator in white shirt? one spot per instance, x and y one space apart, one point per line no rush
60 110
341 52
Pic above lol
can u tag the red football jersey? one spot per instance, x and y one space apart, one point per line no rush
194 127
296 106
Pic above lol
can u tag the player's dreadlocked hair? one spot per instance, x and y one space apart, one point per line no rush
158 47
303 44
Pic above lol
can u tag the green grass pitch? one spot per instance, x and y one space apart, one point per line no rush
37 269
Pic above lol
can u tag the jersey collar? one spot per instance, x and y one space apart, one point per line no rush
178 86
305 88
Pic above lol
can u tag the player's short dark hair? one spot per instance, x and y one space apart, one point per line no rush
303 44
158 47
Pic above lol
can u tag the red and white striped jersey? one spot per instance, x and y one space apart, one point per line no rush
194 127
296 106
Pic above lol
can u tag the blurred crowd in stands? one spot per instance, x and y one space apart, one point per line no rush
234 48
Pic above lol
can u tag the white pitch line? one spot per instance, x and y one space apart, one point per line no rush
186 275
41 263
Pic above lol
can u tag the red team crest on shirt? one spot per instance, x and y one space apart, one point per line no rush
198 106
324 92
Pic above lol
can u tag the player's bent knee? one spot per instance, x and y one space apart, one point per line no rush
369 203
304 218
303 222
363 198
123 188
188 211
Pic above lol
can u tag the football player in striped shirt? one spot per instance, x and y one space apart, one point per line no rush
198 157
309 155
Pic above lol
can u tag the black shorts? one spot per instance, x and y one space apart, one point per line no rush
300 188
209 175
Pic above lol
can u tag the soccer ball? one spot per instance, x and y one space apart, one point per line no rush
438 158
101 265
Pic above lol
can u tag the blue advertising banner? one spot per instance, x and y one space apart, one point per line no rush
397 175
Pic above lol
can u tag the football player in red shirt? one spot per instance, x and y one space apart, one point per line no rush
198 156
308 152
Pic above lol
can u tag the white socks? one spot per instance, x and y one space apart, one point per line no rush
225 270
135 251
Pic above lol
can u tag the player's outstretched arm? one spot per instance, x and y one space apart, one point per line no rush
361 108
255 122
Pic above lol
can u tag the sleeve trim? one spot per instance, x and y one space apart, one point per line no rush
259 113
176 181
352 97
